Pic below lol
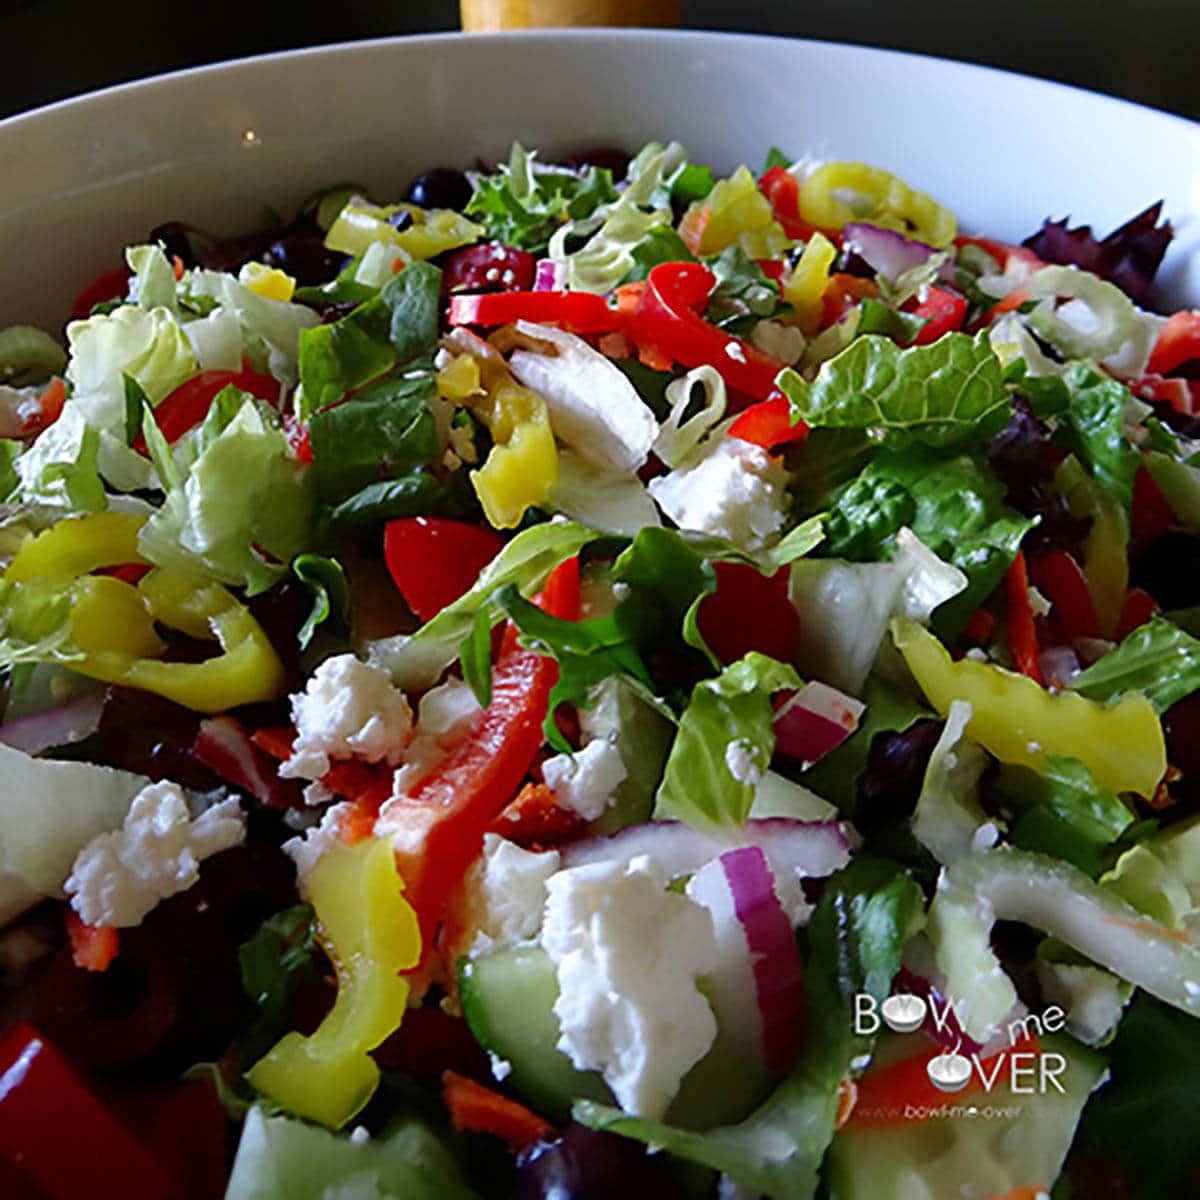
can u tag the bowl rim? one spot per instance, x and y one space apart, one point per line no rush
607 33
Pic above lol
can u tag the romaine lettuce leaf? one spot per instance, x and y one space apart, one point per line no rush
326 581
950 393
1158 659
245 509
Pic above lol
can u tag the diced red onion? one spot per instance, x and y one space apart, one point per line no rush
811 849
887 252
815 720
71 722
1091 649
1059 665
224 747
550 275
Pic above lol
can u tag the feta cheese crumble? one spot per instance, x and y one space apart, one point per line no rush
585 781
507 889
444 715
308 849
627 954
739 762
119 877
736 491
349 709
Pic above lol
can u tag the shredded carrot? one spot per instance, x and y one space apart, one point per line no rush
1022 634
536 817
847 1099
980 627
276 740
357 821
656 360
93 947
615 345
52 400
478 1109
177 266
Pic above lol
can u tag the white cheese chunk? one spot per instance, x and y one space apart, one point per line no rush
585 781
119 877
627 954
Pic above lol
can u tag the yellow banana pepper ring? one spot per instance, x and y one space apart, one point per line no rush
371 933
1020 722
113 623
840 192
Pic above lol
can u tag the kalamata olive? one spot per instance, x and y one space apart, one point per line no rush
1169 569
304 258
443 187
612 157
889 787
586 1165
488 267
175 239
401 220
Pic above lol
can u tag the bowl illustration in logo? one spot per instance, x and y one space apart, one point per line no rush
904 1013
949 1072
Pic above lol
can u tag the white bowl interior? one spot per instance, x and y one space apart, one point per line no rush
216 145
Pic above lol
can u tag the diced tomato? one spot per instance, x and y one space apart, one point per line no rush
434 560
489 267
1138 608
749 611
943 311
188 404
1178 343
769 423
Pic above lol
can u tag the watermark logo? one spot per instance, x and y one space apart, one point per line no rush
1020 1065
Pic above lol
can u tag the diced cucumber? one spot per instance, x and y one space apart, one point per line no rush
987 1144
508 999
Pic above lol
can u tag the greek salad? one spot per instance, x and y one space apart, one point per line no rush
601 677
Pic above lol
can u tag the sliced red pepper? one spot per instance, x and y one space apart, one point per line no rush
1178 343
188 404
111 285
769 423
942 311
980 627
749 611
348 778
1022 633
1061 580
434 560
1151 514
578 312
1138 608
535 818
440 825
55 1132
842 293
668 321
782 189
1183 395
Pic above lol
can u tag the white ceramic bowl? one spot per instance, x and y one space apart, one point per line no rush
214 146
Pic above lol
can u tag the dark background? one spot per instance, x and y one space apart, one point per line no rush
1148 51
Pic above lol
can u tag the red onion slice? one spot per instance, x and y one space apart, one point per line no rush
549 275
811 849
887 252
815 720
224 747
71 722
759 957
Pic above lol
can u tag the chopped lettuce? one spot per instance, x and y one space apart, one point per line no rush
1160 876
280 1158
602 500
326 582
60 468
244 510
1158 659
35 623
153 285
688 423
724 745
949 393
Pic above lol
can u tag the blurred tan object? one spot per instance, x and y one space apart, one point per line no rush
487 16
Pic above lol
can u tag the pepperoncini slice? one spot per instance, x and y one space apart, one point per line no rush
371 934
806 284
109 616
459 379
737 213
268 282
1020 722
77 545
420 233
840 192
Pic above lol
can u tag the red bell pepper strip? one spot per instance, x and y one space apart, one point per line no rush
1151 514
668 320
55 1132
749 611
980 627
93 947
434 560
943 311
188 404
1022 635
1138 608
110 285
578 312
1178 343
535 818
478 1109
769 423
438 828
1061 580
782 189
